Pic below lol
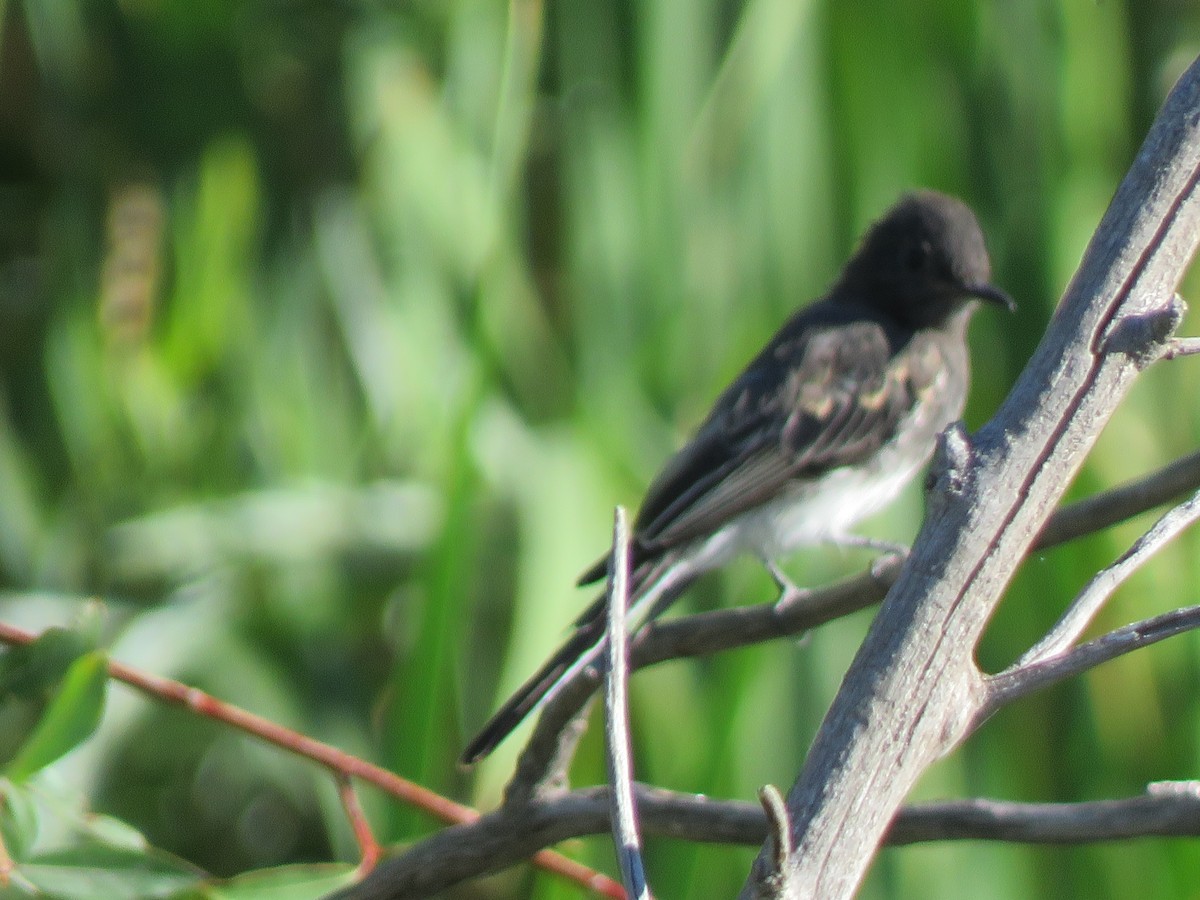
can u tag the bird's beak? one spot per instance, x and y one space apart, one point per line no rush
990 294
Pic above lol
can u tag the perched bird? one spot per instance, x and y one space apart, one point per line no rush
824 427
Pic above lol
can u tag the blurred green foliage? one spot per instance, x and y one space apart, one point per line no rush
330 332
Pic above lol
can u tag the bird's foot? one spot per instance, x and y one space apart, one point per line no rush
886 568
892 548
789 592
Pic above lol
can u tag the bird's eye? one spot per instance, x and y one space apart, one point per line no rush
919 257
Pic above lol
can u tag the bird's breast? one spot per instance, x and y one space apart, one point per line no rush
813 510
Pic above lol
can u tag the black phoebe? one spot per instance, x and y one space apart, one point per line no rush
824 427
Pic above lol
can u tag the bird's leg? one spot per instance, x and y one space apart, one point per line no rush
857 540
887 548
789 593
788 590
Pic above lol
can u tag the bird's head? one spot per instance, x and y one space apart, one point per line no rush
922 262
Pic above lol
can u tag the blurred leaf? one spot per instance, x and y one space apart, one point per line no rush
71 716
214 250
34 669
19 819
29 676
59 35
112 832
283 883
98 871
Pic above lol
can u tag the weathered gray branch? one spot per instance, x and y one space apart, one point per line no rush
623 807
501 839
1120 503
1170 809
1084 608
913 688
1024 679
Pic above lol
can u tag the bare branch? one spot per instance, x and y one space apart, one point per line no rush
502 839
623 812
1095 594
1110 507
1022 680
369 850
550 748
510 835
779 839
1182 347
727 629
1171 810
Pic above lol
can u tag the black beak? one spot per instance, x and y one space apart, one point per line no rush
990 294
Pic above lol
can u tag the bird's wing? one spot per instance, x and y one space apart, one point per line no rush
819 397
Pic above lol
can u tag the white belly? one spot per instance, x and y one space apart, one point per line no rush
828 508
812 513
822 510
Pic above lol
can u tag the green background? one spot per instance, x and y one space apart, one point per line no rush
330 333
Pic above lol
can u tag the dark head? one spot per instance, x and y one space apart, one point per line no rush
922 262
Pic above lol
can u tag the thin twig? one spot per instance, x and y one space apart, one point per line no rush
6 861
779 841
1186 346
1165 810
627 842
1123 502
1097 591
368 848
1021 680
339 762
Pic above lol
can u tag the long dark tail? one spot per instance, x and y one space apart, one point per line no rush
587 639
655 586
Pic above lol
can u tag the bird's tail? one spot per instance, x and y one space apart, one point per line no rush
654 587
583 647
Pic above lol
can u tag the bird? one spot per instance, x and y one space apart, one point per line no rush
834 416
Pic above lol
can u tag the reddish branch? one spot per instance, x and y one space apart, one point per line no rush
343 765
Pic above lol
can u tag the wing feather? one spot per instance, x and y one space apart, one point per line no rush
828 397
